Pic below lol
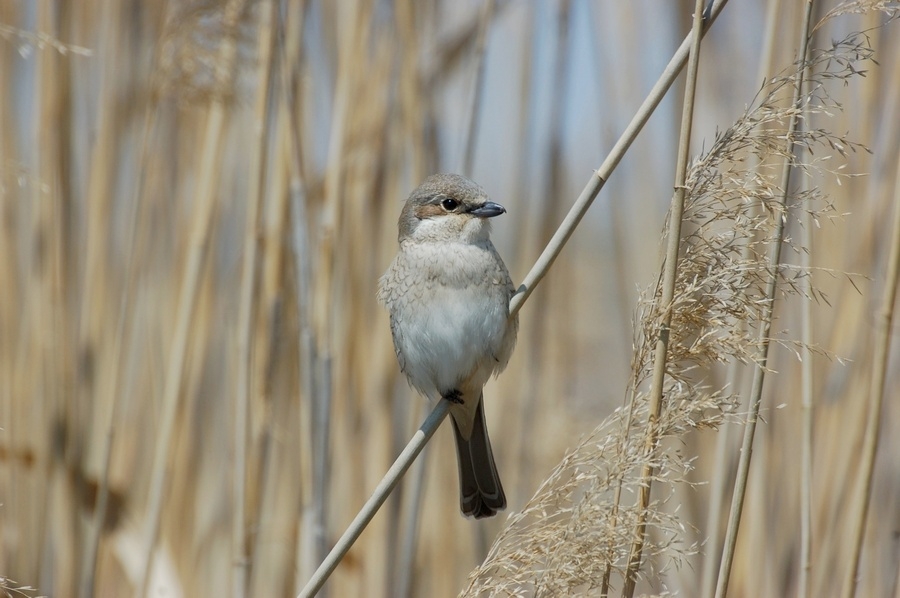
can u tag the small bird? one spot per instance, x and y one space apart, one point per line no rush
448 295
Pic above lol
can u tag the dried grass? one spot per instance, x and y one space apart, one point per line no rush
109 168
573 528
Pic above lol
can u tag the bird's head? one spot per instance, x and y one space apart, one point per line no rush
448 207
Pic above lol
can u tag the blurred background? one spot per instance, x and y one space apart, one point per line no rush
198 198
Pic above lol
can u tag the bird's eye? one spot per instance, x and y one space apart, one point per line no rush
449 204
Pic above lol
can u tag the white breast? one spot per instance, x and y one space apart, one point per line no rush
454 330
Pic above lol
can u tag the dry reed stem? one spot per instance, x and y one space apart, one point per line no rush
670 271
545 214
410 518
100 194
276 564
765 319
380 494
563 540
48 279
522 448
406 526
352 37
411 524
310 539
412 506
726 451
206 201
808 388
100 181
477 86
247 307
115 391
602 174
424 112
882 345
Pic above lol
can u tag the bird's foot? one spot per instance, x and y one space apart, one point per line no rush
454 396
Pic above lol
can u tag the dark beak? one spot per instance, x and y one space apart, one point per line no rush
488 209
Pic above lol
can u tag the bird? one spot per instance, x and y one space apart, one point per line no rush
447 292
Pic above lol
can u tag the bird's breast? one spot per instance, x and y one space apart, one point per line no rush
449 314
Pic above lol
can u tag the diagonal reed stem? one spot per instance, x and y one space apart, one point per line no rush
388 482
537 273
602 174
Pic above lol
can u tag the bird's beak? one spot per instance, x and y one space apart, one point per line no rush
488 209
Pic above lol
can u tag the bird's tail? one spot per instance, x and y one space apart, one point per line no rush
480 492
